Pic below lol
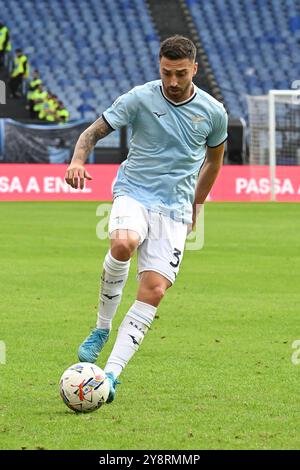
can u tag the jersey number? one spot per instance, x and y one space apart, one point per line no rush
177 254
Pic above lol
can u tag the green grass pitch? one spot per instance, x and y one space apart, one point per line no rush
215 371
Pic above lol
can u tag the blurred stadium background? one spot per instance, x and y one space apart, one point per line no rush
85 53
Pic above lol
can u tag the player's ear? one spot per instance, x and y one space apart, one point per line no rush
195 68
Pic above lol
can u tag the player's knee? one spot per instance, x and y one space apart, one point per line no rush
122 250
157 293
151 294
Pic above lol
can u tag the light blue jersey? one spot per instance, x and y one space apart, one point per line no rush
167 147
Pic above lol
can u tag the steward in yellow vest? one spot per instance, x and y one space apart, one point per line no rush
38 96
20 65
35 96
33 85
5 45
62 114
19 72
36 80
48 109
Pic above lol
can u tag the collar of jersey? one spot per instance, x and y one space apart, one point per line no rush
181 103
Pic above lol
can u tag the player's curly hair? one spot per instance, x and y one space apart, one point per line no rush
178 47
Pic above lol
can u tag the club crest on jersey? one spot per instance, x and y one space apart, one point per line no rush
197 118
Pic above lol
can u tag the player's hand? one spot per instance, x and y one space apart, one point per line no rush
76 174
196 210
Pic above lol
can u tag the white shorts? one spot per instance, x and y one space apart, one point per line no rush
161 239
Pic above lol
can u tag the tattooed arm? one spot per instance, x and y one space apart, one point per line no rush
76 173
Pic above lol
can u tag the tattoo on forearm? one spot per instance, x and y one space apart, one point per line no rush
87 141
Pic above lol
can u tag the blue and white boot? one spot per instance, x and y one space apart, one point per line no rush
89 350
113 382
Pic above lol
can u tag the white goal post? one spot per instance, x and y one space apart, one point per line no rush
274 131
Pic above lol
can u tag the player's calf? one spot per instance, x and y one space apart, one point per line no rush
130 336
113 280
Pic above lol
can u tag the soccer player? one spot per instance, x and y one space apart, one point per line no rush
176 130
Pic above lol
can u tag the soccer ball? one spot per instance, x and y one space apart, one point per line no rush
84 387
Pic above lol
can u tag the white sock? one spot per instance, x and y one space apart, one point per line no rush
131 333
113 279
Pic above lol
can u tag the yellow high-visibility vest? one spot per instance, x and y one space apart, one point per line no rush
63 113
52 104
30 94
50 117
48 105
39 95
35 94
19 66
34 83
3 36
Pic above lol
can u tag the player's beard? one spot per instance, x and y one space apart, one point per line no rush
178 94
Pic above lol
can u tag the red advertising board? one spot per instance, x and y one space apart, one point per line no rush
252 183
38 182
35 182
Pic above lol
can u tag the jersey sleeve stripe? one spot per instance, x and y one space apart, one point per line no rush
215 146
104 118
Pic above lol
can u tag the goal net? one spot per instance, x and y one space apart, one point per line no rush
274 126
